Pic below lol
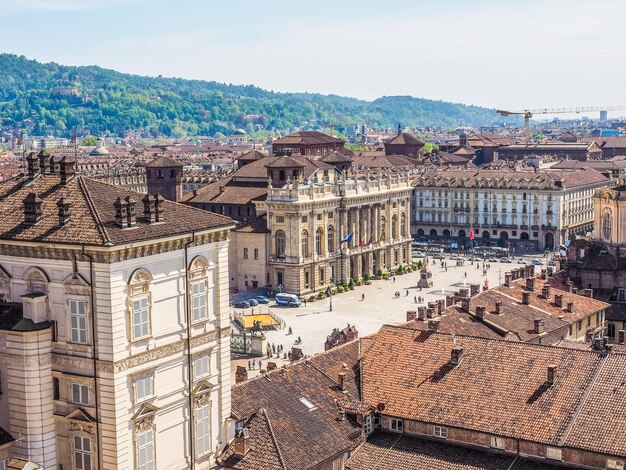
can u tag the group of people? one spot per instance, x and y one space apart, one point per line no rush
397 294
418 300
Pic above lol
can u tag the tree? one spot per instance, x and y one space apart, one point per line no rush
89 141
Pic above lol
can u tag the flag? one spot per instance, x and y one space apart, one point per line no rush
361 243
471 234
348 238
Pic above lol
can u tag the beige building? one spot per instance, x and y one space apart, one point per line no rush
114 329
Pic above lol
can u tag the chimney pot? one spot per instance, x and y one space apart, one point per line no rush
130 211
456 356
526 298
558 300
33 165
242 443
570 307
551 374
159 201
411 315
530 283
498 307
149 212
621 336
341 381
538 325
120 212
507 279
33 211
64 212
67 169
480 311
433 325
44 162
465 304
545 291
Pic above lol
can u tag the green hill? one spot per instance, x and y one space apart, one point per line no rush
53 99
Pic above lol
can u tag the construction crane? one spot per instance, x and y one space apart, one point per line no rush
529 113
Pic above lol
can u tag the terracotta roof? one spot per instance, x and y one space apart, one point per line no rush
307 138
284 162
384 161
164 161
404 138
252 155
336 157
92 214
499 387
256 225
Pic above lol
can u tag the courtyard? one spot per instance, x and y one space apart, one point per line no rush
368 307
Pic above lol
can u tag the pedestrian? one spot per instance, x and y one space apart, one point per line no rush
254 363
415 298
305 302
394 279
249 365
290 331
260 366
273 348
407 293
362 297
252 310
465 273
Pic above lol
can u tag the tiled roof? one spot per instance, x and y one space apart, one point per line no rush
307 138
252 155
256 225
284 162
386 451
164 161
92 213
384 161
336 157
499 387
404 138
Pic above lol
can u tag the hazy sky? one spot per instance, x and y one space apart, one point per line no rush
496 53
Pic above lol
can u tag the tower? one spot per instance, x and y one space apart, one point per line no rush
164 175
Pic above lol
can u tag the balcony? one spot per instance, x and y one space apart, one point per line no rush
285 259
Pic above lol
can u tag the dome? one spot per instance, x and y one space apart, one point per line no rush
240 132
100 150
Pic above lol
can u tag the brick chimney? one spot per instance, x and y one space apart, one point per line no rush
159 202
130 211
550 271
67 170
480 311
465 304
64 212
621 337
241 444
570 286
54 165
241 375
570 307
32 162
526 298
120 212
341 381
530 283
411 315
33 211
551 374
545 291
597 343
538 325
433 325
558 300
507 279
149 211
456 355
44 162
498 307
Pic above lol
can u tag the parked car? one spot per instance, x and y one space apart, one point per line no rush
522 261
551 263
537 262
253 302
287 300
456 257
418 254
506 260
493 259
262 299
241 304
438 256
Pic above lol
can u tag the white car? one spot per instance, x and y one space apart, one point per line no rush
522 261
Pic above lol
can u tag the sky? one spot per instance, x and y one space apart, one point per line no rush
507 54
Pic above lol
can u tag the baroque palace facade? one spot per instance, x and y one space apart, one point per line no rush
114 345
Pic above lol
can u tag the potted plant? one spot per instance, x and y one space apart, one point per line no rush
340 289
312 298
351 284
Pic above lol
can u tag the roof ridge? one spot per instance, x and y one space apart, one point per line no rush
273 437
92 208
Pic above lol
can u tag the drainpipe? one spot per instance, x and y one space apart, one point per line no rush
192 442
94 354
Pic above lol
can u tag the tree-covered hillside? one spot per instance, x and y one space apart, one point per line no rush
52 99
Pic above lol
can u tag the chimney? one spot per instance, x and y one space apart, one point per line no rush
44 162
526 298
456 356
130 211
480 311
558 300
241 444
33 165
544 274
538 325
550 271
433 325
507 279
149 212
498 307
545 291
35 307
341 381
54 165
64 212
440 306
621 337
67 169
597 343
530 283
465 304
551 374
411 315
33 212
241 375
570 307
570 286
159 202
120 212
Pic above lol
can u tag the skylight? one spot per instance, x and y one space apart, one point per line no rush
309 405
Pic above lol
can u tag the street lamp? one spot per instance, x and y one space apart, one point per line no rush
332 280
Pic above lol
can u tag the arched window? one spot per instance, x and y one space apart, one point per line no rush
394 227
305 244
403 224
318 241
280 244
607 223
331 239
36 280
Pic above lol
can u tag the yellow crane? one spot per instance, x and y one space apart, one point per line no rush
529 113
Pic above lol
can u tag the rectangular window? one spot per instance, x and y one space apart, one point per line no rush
201 367
330 215
143 388
319 216
397 425
203 430
497 442
280 219
55 389
198 300
440 431
615 464
304 219
78 321
80 394
245 253
82 453
554 453
141 321
145 450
